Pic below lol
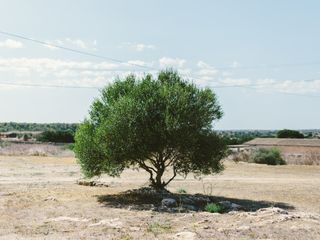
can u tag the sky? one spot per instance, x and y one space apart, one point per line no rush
261 58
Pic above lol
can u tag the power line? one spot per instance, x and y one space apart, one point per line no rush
264 84
73 50
98 88
275 92
250 86
266 66
261 66
47 86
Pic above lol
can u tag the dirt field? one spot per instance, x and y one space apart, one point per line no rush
39 199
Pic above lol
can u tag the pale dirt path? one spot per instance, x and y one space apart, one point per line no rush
40 200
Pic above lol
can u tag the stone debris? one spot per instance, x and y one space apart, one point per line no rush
113 223
6 194
50 199
134 229
91 183
230 206
272 210
190 207
169 202
185 236
67 219
243 228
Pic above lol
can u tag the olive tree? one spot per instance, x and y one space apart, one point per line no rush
160 124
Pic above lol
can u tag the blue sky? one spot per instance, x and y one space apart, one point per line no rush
260 57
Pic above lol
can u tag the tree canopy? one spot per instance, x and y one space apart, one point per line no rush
287 133
154 123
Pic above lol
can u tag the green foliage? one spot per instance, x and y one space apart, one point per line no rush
237 140
158 228
153 124
181 191
26 137
214 208
286 133
268 156
237 137
56 137
70 146
13 126
4 144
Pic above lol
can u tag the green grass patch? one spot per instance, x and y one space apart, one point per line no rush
214 208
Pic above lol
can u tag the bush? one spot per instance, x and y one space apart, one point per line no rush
56 137
240 157
268 156
214 208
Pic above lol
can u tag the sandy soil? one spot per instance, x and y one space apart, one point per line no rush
39 199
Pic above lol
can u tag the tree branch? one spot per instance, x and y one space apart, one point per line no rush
174 175
148 169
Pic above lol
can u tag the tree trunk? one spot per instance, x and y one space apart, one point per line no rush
158 183
157 170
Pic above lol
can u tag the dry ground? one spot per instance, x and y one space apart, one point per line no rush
40 200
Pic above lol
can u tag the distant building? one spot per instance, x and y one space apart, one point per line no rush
294 151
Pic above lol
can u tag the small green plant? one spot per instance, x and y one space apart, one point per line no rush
181 191
70 146
157 228
214 208
125 237
4 144
268 156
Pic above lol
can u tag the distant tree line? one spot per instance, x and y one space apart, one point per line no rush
240 137
56 132
41 127
237 137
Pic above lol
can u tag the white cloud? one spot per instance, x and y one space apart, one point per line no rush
70 42
269 85
202 64
49 71
137 62
171 62
138 46
64 72
235 82
77 42
9 43
206 72
235 64
299 87
208 76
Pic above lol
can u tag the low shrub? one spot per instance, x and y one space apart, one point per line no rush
181 191
56 136
70 146
214 208
158 227
268 156
240 157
